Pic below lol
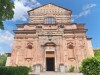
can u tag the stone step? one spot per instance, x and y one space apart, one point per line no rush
55 73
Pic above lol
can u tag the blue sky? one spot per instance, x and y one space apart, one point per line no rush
83 11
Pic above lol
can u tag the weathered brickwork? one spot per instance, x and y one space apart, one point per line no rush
38 40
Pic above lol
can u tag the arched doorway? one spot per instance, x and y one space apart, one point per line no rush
50 56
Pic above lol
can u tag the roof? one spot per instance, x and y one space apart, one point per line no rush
51 4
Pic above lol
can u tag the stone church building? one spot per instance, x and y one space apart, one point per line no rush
50 41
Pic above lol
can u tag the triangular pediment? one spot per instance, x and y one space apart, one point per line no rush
50 6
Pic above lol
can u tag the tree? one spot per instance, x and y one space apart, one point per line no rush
90 66
6 11
3 59
97 52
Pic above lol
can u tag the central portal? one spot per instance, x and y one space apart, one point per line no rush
50 63
50 56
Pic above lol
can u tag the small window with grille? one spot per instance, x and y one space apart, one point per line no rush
49 20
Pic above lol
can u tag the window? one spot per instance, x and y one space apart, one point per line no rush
50 20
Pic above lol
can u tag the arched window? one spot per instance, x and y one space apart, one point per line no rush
50 20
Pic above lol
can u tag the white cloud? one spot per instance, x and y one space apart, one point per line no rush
6 36
30 3
85 11
21 8
72 17
89 6
6 41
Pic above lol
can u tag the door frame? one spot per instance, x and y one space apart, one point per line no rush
54 59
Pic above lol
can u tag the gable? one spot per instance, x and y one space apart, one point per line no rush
50 8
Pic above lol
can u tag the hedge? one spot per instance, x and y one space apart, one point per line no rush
19 70
90 66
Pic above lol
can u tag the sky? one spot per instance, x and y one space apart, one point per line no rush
83 11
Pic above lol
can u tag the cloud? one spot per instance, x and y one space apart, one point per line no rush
21 8
85 11
73 17
6 41
30 3
89 6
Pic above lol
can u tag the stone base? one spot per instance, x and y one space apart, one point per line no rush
38 68
55 73
62 68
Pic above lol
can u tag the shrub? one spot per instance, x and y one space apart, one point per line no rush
80 69
97 52
19 70
30 68
91 66
71 69
3 59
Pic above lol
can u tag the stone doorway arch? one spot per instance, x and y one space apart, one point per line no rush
50 56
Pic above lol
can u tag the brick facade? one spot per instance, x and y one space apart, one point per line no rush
64 41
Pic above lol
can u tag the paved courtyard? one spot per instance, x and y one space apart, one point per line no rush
55 73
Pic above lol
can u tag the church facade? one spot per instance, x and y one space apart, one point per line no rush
50 41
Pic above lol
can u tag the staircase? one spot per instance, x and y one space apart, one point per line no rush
55 73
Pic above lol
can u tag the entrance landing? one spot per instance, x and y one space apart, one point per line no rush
55 73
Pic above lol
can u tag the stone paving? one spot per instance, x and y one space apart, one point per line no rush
55 73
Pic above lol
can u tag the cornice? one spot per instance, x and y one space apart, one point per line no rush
75 30
25 31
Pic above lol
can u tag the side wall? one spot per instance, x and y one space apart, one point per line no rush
90 49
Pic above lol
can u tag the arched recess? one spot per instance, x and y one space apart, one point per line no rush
70 48
29 50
